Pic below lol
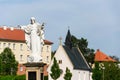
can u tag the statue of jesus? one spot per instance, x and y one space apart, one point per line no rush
34 39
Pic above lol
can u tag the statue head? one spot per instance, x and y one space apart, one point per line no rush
32 20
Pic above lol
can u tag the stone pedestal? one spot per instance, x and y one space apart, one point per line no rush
34 71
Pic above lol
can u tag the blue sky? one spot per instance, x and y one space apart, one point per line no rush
96 20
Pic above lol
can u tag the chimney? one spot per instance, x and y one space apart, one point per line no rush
98 49
11 28
5 27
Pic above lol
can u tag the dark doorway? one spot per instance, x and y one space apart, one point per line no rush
41 76
31 75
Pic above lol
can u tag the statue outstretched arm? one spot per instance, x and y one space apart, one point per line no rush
26 29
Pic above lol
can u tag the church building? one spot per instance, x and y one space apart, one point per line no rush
71 57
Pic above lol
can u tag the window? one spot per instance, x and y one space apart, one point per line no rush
9 45
47 48
21 68
4 45
28 48
14 46
60 61
79 75
0 46
28 57
42 49
21 46
47 59
21 56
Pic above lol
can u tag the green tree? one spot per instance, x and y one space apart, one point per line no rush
111 71
83 46
115 58
8 62
52 54
55 70
106 71
68 74
97 72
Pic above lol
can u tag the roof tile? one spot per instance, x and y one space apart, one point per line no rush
15 35
100 56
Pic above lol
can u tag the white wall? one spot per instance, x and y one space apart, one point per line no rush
81 75
61 55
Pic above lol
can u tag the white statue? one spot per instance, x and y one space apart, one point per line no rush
34 39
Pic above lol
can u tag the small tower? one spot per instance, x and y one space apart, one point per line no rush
60 39
68 41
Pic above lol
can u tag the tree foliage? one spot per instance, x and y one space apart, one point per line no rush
97 73
83 46
115 58
8 64
13 77
108 71
68 74
55 70
111 71
52 54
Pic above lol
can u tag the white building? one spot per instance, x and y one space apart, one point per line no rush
71 57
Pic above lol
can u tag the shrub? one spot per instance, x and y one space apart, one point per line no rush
11 77
8 77
45 77
20 77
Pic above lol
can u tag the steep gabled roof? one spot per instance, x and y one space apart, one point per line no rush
100 56
68 41
77 58
75 54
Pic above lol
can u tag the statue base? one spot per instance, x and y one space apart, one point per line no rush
34 71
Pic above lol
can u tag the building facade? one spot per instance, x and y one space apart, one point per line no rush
14 38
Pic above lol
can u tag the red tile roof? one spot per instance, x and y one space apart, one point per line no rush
48 42
15 35
100 56
12 35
